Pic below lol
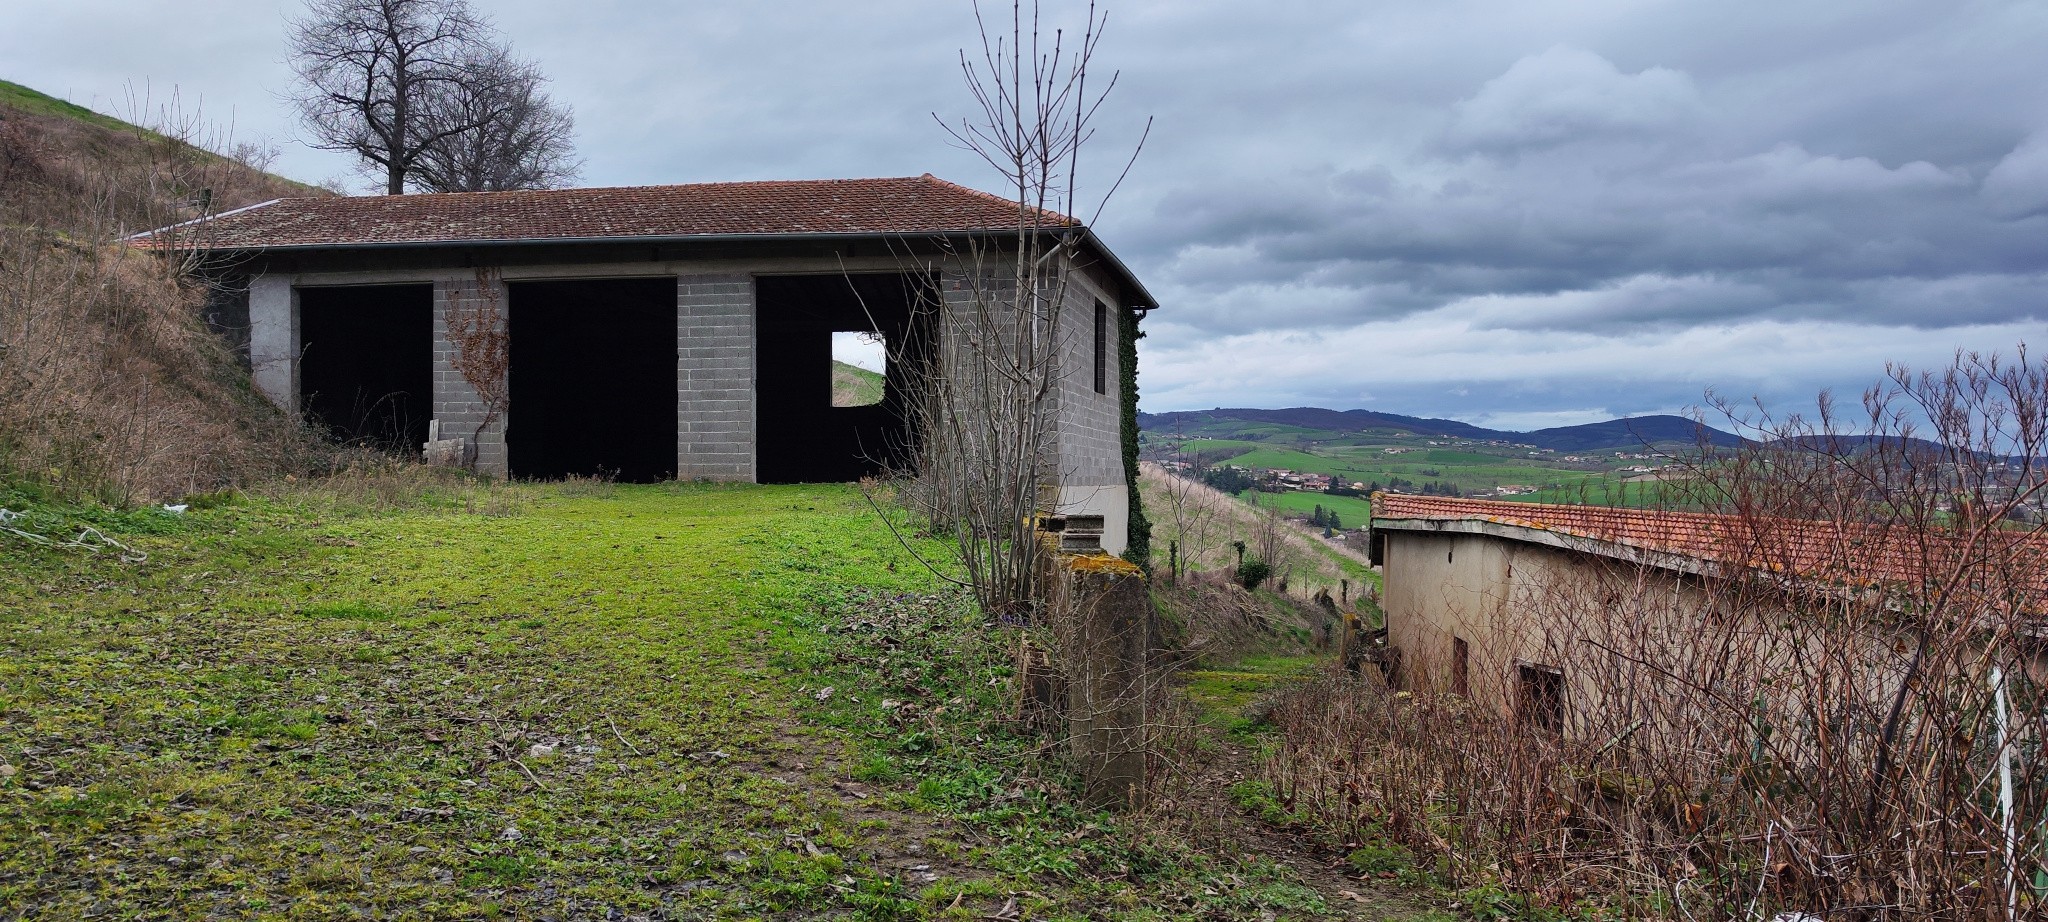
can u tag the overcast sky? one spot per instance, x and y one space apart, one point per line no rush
1518 213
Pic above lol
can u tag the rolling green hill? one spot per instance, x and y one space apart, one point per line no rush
1318 424
1601 463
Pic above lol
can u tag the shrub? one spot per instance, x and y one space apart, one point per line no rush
1252 573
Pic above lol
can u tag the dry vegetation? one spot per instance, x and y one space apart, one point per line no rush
111 385
1196 524
1849 728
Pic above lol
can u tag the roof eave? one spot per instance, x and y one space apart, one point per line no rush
1614 550
1134 289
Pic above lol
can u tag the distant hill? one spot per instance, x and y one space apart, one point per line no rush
1309 422
1630 432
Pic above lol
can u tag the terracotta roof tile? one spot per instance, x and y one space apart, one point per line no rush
1841 553
913 205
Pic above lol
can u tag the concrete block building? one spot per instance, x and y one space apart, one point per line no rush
652 332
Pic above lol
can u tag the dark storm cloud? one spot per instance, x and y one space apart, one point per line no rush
1455 207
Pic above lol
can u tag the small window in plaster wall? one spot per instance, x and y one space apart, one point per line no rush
1461 667
1540 696
860 368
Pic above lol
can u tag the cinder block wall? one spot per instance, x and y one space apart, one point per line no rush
1090 430
456 403
715 376
715 369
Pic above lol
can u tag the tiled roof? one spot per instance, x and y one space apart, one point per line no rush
1840 553
912 205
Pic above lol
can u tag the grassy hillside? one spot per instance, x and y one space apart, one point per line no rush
113 385
1317 424
27 101
854 386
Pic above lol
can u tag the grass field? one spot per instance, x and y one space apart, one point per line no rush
1355 511
1471 471
1613 491
577 701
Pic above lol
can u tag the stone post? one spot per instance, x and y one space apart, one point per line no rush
1101 614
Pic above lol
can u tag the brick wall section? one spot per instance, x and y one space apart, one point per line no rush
1090 430
715 377
455 403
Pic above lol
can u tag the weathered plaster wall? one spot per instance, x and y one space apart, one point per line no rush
274 340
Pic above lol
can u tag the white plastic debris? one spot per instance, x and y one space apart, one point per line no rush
177 509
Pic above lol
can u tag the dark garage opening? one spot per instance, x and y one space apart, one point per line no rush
593 382
366 363
800 437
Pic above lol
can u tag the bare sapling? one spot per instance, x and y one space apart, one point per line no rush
988 383
480 350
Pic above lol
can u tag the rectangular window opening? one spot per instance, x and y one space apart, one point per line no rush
1461 667
1541 697
860 368
1101 348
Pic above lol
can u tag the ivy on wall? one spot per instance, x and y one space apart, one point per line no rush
1139 550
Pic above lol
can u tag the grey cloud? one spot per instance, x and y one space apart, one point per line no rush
1416 190
1570 95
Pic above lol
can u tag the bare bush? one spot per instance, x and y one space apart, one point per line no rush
1840 712
111 384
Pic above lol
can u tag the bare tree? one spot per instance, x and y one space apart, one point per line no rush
986 469
372 73
498 130
482 353
1191 513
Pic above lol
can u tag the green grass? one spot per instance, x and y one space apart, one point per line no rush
1613 491
1222 693
280 710
506 702
31 101
854 386
1353 511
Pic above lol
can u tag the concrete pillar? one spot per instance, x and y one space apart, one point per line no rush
274 340
456 403
715 377
1101 614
